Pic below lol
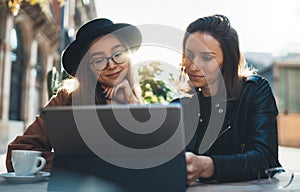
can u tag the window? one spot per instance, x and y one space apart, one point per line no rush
17 72
288 88
37 74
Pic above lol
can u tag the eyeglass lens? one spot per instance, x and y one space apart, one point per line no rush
280 176
101 63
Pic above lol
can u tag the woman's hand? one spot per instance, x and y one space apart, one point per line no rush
198 166
121 92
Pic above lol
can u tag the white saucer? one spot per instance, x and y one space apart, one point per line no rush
13 178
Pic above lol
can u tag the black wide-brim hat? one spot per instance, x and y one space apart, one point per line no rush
72 55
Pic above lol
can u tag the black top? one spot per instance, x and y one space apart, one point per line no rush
247 143
204 116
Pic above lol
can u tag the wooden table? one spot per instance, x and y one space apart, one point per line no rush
255 185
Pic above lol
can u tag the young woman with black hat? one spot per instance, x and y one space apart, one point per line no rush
99 59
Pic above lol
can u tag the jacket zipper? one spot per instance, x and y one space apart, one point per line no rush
223 132
229 127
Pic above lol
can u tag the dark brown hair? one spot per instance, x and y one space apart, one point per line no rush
218 26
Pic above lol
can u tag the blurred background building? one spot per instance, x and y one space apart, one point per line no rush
283 73
32 36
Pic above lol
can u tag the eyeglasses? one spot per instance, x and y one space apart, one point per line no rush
100 63
278 177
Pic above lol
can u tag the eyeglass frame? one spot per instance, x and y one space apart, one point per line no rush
277 170
109 58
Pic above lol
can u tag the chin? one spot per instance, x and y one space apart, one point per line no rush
109 82
199 84
115 82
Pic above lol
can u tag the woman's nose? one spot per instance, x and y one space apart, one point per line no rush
111 64
194 67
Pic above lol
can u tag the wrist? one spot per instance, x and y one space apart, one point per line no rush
209 168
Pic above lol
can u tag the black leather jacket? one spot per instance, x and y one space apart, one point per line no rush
247 143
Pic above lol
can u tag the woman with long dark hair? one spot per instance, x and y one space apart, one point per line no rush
235 135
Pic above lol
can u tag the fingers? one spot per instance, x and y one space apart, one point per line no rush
190 179
188 157
123 92
119 92
191 176
194 167
190 167
118 87
108 91
198 167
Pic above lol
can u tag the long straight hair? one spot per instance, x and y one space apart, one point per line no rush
233 68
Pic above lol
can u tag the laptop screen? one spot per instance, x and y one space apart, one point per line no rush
135 140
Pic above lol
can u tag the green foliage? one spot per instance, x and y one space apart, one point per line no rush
154 90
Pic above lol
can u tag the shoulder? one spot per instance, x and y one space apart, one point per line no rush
253 79
257 89
255 86
62 97
257 81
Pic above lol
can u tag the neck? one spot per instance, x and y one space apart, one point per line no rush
211 89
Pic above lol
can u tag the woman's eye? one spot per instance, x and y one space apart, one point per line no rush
98 60
207 58
119 54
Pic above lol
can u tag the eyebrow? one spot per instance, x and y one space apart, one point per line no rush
117 46
208 53
203 53
102 53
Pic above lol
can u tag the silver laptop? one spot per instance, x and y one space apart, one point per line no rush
117 147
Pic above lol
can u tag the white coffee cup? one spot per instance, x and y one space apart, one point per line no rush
27 162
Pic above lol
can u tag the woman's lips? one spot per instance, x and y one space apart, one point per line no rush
196 77
113 75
